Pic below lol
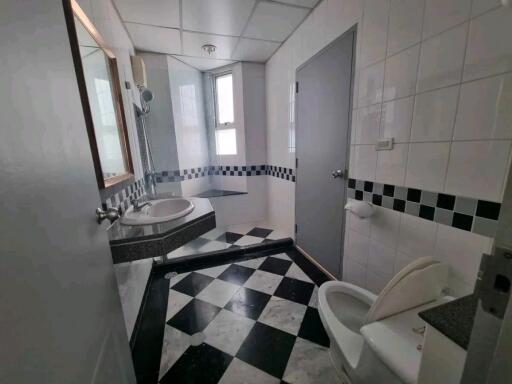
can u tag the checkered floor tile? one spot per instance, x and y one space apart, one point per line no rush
226 237
252 321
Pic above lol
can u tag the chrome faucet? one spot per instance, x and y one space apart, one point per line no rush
137 205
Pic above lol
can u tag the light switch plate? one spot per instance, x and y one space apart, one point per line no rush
384 144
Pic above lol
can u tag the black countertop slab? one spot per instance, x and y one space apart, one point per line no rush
219 193
134 242
454 319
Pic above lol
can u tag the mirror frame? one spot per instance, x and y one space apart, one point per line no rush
72 10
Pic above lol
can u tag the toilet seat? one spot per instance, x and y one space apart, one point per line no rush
344 308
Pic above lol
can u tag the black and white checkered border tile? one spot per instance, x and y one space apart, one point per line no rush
468 214
122 198
225 170
281 172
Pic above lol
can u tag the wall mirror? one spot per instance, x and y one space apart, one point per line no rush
100 91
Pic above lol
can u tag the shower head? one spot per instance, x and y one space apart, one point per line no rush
146 95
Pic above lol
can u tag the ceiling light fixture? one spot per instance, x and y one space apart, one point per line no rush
210 48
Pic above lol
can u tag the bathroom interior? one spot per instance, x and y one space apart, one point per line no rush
256 191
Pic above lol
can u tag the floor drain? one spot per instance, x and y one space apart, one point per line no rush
170 275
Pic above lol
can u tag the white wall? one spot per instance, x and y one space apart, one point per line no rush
228 182
189 122
436 76
250 112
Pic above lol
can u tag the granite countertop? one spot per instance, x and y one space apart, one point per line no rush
454 319
219 193
123 234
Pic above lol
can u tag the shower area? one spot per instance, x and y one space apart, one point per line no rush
201 134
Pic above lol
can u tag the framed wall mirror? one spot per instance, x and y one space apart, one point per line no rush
100 91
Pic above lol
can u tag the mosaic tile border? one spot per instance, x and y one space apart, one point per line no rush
122 198
225 170
468 214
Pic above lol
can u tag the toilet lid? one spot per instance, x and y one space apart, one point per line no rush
418 283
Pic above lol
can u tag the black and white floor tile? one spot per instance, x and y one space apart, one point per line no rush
252 321
222 238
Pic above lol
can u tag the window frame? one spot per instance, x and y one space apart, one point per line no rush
223 126
216 104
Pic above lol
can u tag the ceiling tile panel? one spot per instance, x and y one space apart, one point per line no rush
164 13
192 43
204 64
255 50
273 21
225 17
155 39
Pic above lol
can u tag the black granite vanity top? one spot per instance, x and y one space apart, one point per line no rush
134 242
219 193
122 234
454 319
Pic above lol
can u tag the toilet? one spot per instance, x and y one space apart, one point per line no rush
345 308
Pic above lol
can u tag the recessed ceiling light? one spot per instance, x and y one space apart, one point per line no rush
210 48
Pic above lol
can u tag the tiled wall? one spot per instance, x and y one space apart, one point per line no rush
226 170
436 75
188 110
122 196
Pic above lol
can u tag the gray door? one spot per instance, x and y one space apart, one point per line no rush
61 319
323 115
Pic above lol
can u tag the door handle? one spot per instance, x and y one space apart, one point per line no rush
111 214
338 174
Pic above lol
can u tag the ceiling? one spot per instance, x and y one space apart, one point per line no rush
242 30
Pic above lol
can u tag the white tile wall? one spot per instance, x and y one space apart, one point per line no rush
396 119
400 75
426 165
488 50
391 165
478 169
442 58
441 15
405 21
485 109
366 130
365 159
374 30
434 114
448 141
370 84
385 227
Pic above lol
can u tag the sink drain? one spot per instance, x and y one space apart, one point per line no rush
170 275
197 338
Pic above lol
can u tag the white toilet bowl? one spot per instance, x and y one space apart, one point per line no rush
345 308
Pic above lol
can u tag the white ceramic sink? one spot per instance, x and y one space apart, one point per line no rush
158 212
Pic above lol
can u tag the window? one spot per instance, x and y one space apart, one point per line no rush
225 141
225 133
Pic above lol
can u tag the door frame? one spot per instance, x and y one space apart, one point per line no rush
353 30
